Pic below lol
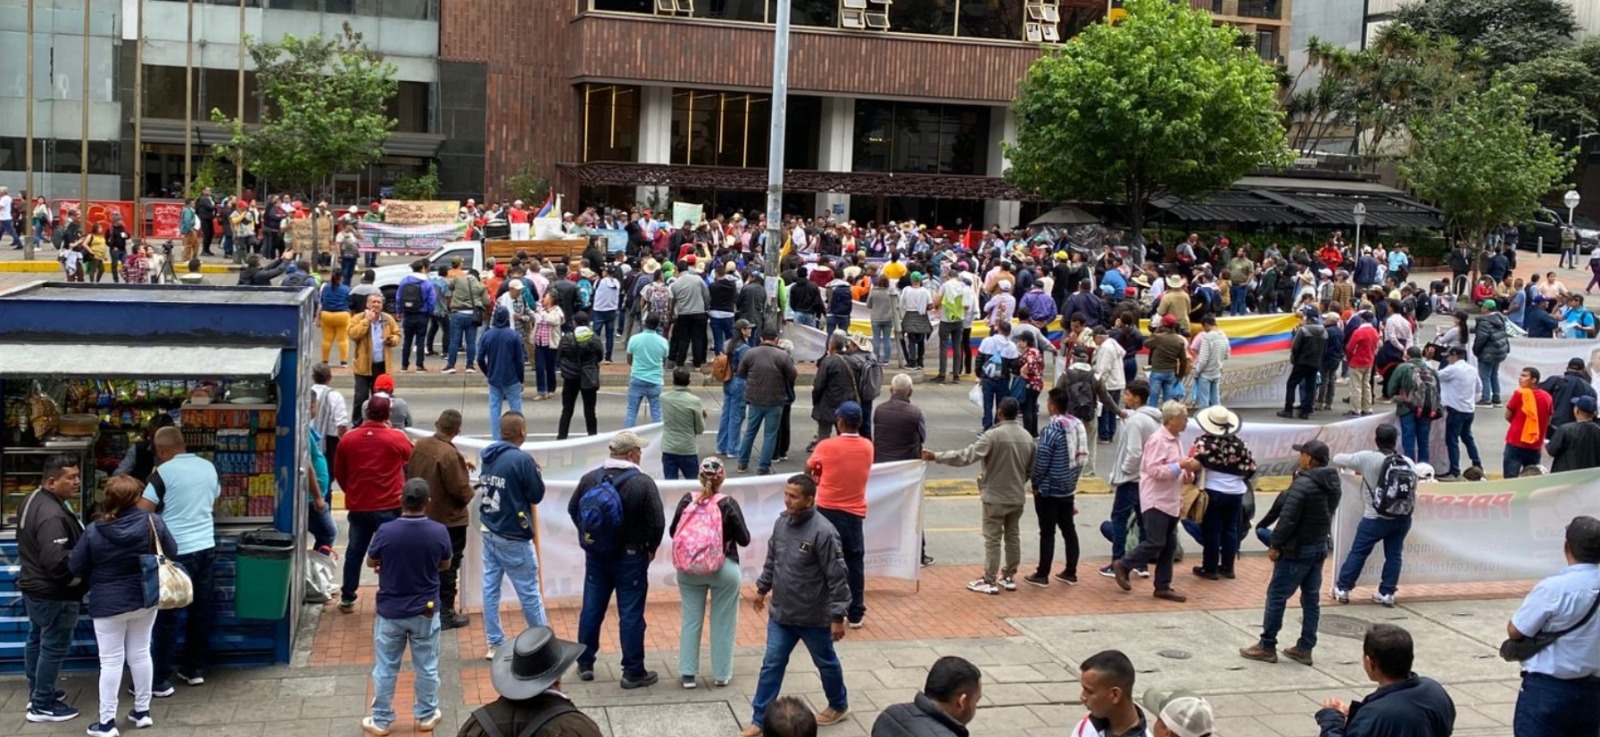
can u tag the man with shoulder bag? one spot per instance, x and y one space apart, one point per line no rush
1389 486
1555 634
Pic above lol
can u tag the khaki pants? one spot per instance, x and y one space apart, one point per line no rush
1001 520
191 245
1361 389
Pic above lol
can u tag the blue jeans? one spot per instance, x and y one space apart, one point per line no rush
389 640
1551 706
1219 531
1300 571
627 573
680 466
1458 426
1205 392
730 426
839 323
545 362
781 639
50 628
807 320
1489 374
883 341
321 526
1108 420
363 525
605 323
721 333
638 390
759 415
510 394
201 566
8 227
347 266
461 326
853 540
1516 458
518 561
993 391
1369 532
1164 385
1236 300
1414 436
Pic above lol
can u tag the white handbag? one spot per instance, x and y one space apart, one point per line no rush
177 591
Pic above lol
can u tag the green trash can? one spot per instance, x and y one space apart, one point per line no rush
262 571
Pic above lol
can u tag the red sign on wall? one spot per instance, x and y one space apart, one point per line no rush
165 220
99 211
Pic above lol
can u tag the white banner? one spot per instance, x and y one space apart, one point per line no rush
894 543
1489 531
1548 355
563 459
810 344
1255 386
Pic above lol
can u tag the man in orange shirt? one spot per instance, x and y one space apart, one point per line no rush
1529 415
841 466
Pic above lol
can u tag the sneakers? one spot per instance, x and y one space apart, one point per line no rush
471 370
828 717
58 697
427 725
688 681
369 726
448 371
648 678
191 680
983 587
1341 595
162 689
720 683
453 620
1387 600
347 606
490 654
1008 583
743 469
1107 571
927 560
1068 579
1037 579
586 674
1302 657
1142 572
109 729
141 719
856 623
1258 653
53 712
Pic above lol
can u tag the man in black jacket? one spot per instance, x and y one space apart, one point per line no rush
805 298
1299 545
205 210
1405 704
947 704
1576 445
255 275
1575 382
1305 361
47 530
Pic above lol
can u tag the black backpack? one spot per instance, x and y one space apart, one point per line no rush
1394 491
1080 394
411 297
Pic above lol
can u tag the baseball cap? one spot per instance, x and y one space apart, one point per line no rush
1330 317
1585 404
625 441
415 493
1169 321
1488 304
848 412
689 259
384 383
1456 350
378 407
1574 364
1317 449
1183 712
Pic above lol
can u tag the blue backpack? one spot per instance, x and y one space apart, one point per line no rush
600 513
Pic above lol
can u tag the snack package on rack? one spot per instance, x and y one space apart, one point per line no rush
44 413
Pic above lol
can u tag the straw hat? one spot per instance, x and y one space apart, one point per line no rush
1218 420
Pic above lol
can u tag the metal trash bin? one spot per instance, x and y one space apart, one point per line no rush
263 568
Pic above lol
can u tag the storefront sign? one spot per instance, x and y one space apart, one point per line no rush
409 239
419 212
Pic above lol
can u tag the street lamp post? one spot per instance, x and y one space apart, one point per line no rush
1571 200
1360 214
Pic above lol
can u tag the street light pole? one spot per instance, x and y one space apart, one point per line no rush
1360 213
780 105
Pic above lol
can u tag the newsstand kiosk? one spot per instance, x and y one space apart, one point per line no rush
84 368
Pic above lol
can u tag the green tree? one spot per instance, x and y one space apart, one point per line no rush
325 110
424 186
1164 103
1483 163
1566 97
1508 31
528 185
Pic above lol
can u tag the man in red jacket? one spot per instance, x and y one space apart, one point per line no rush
1361 349
371 469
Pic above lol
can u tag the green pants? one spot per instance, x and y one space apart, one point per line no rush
1001 525
723 588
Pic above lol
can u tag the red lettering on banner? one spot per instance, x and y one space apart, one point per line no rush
166 219
99 211
1464 507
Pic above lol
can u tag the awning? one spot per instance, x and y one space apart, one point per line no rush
1303 202
136 361
1064 215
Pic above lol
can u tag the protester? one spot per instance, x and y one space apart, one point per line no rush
1576 445
730 425
647 356
1007 452
47 531
527 677
683 419
408 554
1561 679
414 300
1528 411
1415 388
399 410
1389 496
370 469
1229 470
617 510
1305 359
512 489
1491 344
1140 421
184 491
805 574
1063 447
769 373
1573 383
1169 360
708 527
1459 386
502 358
1106 679
579 357
788 716
842 468
947 703
436 461
1405 704
1164 466
1301 519
374 334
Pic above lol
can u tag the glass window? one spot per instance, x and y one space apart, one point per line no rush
1001 19
801 133
1267 44
745 10
1261 8
311 5
221 92
625 6
873 120
908 137
932 17
65 157
163 93
735 129
611 122
824 13
409 107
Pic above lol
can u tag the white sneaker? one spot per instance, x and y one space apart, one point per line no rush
1142 572
471 370
370 727
1341 595
1008 583
427 725
448 371
983 587
490 655
1386 600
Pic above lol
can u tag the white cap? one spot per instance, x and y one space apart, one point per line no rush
1188 716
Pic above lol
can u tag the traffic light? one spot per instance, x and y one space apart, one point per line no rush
1115 12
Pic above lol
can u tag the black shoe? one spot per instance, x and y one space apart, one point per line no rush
1207 575
1303 416
586 674
927 560
453 620
1226 573
1286 414
648 678
1037 579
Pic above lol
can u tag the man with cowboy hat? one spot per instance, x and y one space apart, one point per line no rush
527 676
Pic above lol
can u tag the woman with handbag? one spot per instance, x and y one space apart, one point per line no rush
114 559
1228 467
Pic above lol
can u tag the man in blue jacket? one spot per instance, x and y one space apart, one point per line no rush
1405 704
501 357
512 487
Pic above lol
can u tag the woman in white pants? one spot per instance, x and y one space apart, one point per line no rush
122 600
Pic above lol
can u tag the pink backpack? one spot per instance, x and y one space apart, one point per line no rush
697 548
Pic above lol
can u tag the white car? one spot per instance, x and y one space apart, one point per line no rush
387 278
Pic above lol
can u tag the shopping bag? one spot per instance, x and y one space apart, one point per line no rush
172 584
322 577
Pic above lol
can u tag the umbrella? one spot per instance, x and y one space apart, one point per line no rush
1065 215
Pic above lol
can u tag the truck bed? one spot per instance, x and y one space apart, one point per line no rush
558 249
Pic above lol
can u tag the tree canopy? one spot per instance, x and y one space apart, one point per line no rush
1163 103
1508 31
325 110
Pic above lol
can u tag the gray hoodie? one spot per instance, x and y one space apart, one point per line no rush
805 572
1130 443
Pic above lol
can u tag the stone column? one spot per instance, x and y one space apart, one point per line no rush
836 150
655 137
1002 127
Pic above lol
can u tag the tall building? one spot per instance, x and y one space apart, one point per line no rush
897 108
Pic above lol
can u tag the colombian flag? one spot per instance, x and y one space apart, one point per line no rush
549 205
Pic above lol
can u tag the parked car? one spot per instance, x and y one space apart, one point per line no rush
1547 224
